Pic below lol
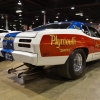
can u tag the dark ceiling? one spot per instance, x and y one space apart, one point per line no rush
61 8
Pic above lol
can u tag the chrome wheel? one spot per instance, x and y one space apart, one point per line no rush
74 67
78 67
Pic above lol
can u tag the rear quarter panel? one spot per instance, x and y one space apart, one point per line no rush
55 46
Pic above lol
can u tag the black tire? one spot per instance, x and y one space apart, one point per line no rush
67 70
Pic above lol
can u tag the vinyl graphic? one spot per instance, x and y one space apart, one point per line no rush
8 45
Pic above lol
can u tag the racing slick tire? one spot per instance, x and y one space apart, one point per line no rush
74 66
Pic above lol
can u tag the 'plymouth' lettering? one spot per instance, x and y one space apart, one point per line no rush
59 42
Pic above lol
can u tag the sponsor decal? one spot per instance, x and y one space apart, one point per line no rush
9 38
97 45
57 44
62 42
8 45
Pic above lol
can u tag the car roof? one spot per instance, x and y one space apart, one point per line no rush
71 22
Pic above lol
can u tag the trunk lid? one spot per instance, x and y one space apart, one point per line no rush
11 41
28 34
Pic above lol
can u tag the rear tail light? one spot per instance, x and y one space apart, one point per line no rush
24 45
25 40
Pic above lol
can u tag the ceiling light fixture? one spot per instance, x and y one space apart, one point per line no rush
80 14
57 17
33 23
14 25
18 11
37 19
87 19
42 11
19 3
72 7
20 15
2 17
20 21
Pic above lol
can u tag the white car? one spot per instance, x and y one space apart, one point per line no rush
4 31
68 45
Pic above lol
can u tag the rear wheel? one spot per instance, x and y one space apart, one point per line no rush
74 66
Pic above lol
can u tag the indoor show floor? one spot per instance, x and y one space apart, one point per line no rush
49 86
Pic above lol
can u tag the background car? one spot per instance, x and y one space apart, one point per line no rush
3 30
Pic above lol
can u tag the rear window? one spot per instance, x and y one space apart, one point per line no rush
52 26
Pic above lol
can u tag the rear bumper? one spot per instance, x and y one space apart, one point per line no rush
22 56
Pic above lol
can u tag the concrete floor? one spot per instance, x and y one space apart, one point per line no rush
50 86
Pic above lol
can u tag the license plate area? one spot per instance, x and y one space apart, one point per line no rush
8 56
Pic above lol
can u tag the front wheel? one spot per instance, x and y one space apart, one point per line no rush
74 66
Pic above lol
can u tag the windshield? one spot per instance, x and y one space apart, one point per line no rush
52 26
